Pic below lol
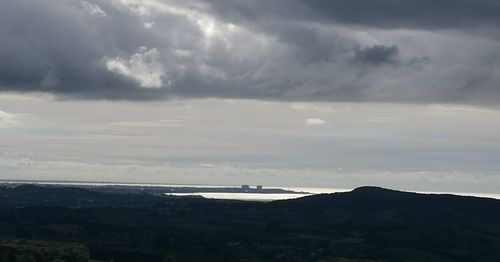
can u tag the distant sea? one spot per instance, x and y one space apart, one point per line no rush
301 191
310 190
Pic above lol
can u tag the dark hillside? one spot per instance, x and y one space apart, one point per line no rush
366 224
397 207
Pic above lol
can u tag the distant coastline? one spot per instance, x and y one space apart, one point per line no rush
192 189
160 188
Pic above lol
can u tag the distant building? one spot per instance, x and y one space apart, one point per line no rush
259 188
245 187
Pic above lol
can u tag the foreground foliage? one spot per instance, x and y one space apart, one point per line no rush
15 250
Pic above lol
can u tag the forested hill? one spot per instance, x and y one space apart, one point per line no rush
377 198
369 205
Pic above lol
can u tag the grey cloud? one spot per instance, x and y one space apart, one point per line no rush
52 46
279 50
427 14
377 54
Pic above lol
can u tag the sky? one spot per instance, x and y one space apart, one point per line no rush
339 93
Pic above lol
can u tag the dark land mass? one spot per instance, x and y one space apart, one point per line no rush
186 189
153 188
47 223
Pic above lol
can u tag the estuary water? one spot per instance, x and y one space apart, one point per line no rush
311 191
303 191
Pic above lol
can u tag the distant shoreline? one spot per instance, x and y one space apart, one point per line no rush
113 183
297 190
161 188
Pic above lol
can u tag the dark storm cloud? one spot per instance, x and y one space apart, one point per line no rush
427 14
335 50
377 54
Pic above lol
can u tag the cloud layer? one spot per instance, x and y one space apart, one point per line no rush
339 50
222 141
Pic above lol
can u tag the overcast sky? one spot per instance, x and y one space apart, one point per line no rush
337 93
